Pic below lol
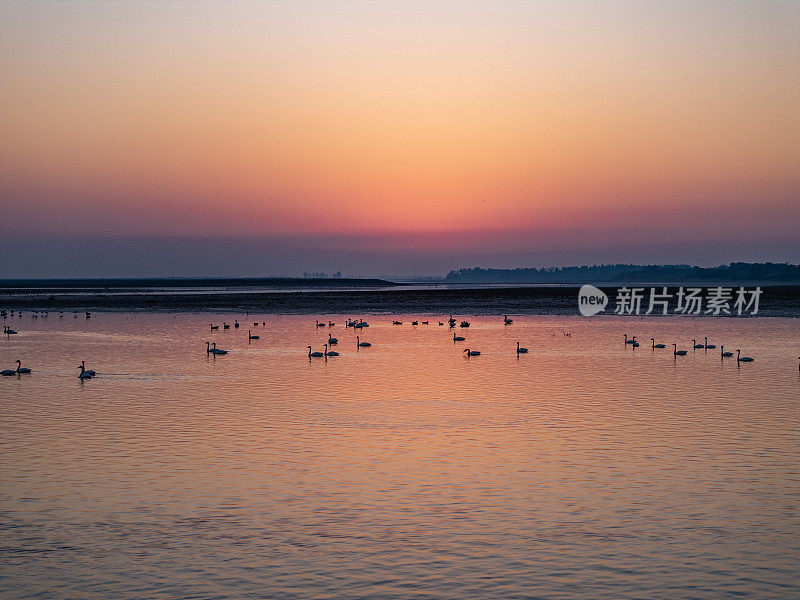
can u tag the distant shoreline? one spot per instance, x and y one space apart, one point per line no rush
776 300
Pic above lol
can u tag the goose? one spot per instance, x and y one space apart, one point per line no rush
458 338
21 369
742 358
360 344
709 345
250 336
656 345
333 353
696 345
507 321
90 371
724 354
314 354
8 372
471 352
319 324
225 325
521 350
213 327
332 340
677 352
627 341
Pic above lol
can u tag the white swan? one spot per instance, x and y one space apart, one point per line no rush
521 350
742 358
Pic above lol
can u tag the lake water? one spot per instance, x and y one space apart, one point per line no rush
584 469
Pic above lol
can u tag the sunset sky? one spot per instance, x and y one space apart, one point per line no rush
395 138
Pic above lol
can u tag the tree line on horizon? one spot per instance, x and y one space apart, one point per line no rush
737 271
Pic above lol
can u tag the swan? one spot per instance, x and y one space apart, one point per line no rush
722 352
21 369
332 340
424 322
331 323
84 374
8 372
225 325
521 350
507 321
634 343
709 345
360 344
90 371
458 338
250 336
471 352
415 322
330 353
656 345
627 341
213 327
440 324
399 323
742 358
677 352
314 354
696 345
8 331
464 324
216 350
319 324
255 324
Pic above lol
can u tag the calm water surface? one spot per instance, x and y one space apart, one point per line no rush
584 469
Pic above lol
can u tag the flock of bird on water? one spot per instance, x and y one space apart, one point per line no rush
211 347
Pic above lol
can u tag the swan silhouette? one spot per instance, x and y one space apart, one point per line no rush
8 372
471 352
8 331
722 352
225 325
213 327
707 345
360 344
89 371
742 358
214 350
677 352
634 343
21 369
319 324
250 336
696 345
627 341
332 353
458 338
84 374
656 345
507 321
332 340
521 350
314 354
